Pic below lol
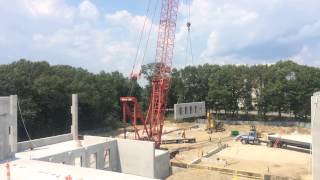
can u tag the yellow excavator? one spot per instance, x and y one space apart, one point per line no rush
213 125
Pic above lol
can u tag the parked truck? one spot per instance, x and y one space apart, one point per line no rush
251 137
299 141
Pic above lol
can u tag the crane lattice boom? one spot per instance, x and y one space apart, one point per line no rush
154 120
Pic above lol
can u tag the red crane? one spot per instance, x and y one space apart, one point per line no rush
154 120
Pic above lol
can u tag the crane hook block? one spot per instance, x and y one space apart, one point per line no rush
135 76
188 25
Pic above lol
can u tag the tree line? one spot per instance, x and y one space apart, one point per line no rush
44 92
282 88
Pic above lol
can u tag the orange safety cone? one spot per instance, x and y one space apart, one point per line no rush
8 170
68 177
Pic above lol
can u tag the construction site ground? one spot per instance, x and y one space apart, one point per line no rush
237 156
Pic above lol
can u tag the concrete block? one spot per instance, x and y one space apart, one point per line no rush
189 110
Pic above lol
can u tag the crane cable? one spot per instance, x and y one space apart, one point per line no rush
140 37
149 33
147 42
24 125
138 46
189 42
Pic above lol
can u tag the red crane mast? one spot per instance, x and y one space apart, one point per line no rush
154 120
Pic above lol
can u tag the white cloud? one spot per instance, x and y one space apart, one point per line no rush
308 55
125 20
88 10
84 43
212 46
49 8
250 31
223 31
307 31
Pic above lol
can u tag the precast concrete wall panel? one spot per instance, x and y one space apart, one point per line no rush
103 144
22 146
136 157
189 110
315 128
4 134
66 157
162 164
8 126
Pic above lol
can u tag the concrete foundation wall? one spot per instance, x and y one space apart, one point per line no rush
189 110
315 127
162 164
22 146
137 157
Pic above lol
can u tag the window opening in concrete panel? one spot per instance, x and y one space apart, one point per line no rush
190 109
185 110
9 130
78 161
107 158
180 110
195 109
93 161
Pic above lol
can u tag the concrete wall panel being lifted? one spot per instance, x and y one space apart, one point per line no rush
315 128
189 110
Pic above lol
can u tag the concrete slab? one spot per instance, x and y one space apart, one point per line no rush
30 169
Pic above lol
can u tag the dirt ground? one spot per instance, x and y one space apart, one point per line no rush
262 159
195 174
252 158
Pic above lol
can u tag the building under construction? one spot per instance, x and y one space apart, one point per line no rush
90 157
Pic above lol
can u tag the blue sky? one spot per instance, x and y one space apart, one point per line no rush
103 34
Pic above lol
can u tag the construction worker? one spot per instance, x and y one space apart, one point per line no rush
183 134
219 142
